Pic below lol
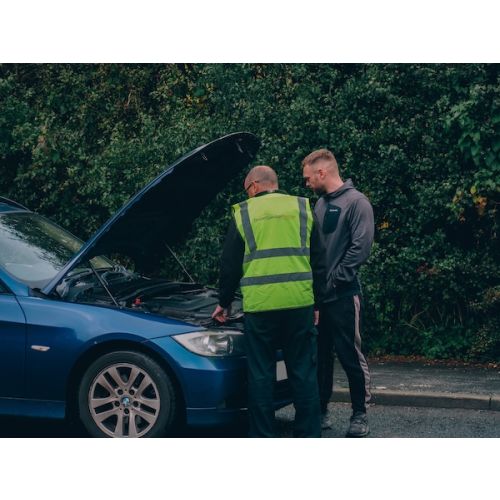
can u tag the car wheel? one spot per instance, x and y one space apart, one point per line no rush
126 394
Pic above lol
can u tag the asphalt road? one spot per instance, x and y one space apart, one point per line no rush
385 421
409 422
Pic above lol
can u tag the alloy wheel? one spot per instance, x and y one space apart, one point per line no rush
124 401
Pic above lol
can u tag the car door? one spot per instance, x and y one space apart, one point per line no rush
12 345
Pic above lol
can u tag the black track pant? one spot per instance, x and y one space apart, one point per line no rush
340 331
293 331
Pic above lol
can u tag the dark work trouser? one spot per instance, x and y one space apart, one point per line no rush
293 331
340 331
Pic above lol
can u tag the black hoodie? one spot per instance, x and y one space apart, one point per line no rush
346 220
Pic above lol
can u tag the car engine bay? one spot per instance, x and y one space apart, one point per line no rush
190 302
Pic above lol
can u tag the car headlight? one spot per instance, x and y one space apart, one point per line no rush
213 342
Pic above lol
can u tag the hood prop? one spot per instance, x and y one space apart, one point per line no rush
103 283
180 263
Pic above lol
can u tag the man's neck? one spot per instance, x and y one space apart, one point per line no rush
266 191
333 184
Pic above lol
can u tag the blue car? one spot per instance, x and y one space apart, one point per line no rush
129 355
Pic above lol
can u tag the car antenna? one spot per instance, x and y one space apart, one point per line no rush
180 263
102 282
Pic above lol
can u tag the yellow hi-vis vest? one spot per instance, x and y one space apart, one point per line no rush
276 229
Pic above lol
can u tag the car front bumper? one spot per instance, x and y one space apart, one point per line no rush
214 389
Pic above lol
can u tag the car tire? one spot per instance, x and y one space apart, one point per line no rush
126 394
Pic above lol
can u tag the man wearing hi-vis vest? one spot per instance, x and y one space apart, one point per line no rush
275 253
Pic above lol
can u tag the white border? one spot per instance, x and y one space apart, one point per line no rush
249 31
249 469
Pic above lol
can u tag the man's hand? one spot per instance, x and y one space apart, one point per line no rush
316 317
221 313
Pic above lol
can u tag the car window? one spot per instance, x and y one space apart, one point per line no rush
3 288
33 249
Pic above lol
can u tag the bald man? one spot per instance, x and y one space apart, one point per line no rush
275 253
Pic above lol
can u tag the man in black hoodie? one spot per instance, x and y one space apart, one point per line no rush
346 219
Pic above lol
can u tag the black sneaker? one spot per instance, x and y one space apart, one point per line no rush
359 426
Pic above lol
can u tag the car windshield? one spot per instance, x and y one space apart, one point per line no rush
33 249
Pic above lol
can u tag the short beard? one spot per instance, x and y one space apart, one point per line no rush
320 191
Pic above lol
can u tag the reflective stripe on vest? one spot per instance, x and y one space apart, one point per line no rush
275 278
276 229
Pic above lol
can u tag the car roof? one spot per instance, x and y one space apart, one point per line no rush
7 205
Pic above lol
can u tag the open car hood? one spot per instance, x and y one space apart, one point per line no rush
162 212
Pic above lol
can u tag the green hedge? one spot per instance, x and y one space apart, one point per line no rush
421 141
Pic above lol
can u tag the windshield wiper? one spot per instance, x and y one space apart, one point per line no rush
38 293
79 273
